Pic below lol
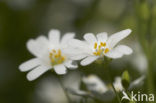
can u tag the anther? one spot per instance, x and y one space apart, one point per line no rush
59 53
104 44
101 43
106 50
56 56
95 45
95 53
99 47
62 58
54 50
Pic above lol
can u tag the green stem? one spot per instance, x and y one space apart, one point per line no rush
106 65
115 92
129 94
84 100
64 90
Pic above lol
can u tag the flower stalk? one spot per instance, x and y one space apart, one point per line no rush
106 66
64 90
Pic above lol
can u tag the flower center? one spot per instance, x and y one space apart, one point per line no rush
100 49
56 57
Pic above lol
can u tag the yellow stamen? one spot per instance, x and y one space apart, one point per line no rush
95 53
59 53
95 45
54 50
52 60
99 51
106 50
50 55
104 44
101 43
56 57
99 47
59 61
62 58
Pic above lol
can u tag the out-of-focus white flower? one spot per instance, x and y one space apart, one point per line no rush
49 53
101 45
49 89
138 59
72 81
96 88
117 84
94 83
136 83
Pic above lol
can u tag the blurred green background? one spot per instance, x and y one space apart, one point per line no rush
21 20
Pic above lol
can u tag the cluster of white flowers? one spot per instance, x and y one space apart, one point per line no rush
58 54
102 90
94 83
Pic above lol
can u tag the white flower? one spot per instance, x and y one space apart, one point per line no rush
139 59
95 84
101 45
49 53
97 88
117 84
136 83
49 89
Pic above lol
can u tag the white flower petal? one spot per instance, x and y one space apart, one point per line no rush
119 51
124 49
71 51
39 46
78 57
102 37
90 38
78 92
94 83
117 84
114 54
54 36
88 60
30 64
115 38
77 43
60 69
38 71
67 37
69 64
138 82
42 40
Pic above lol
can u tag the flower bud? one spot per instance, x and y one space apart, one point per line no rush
125 79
